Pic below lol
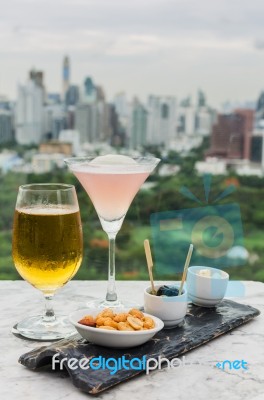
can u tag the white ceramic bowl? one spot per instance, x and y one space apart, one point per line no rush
171 310
109 338
206 291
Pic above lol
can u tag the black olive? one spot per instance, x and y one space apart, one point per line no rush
168 291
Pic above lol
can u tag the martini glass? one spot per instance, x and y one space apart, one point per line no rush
111 182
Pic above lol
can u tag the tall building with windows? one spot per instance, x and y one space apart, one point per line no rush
30 113
137 125
4 103
248 116
257 142
86 122
65 76
37 77
259 115
92 114
162 120
231 135
118 133
89 91
55 120
6 126
187 121
121 105
195 118
72 95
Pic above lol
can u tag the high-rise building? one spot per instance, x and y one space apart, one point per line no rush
30 113
100 94
248 115
204 121
65 76
104 121
55 120
121 105
259 115
123 110
118 134
72 95
162 120
70 117
37 77
86 122
195 119
187 121
4 103
89 92
256 154
231 135
6 126
92 118
54 98
137 126
257 143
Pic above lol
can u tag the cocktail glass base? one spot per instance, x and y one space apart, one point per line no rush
112 304
38 329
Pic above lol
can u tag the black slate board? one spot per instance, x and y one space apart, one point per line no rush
201 325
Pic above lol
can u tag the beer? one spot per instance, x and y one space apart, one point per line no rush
47 245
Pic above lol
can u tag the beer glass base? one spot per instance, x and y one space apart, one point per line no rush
112 304
36 328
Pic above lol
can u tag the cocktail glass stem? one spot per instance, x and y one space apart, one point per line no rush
111 288
49 315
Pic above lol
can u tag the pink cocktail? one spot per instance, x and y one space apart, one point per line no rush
112 182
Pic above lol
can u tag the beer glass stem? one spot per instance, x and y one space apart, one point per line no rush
111 288
49 315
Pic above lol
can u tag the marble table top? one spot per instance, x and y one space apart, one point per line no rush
198 379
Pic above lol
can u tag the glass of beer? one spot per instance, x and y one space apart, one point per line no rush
47 250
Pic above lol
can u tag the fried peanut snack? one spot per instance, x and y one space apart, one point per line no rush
88 320
121 317
136 313
136 323
134 320
148 323
124 326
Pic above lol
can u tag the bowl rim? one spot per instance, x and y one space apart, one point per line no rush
193 268
159 324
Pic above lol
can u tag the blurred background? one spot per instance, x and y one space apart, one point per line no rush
181 80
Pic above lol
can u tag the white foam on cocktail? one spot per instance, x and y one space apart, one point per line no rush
112 163
113 159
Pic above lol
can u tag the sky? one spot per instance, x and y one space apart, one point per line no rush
142 47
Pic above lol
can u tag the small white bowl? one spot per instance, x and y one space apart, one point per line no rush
171 310
206 291
109 338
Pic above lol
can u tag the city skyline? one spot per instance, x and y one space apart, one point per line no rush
151 47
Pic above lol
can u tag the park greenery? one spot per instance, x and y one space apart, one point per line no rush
163 195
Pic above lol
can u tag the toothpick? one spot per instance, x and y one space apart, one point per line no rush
186 266
150 264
